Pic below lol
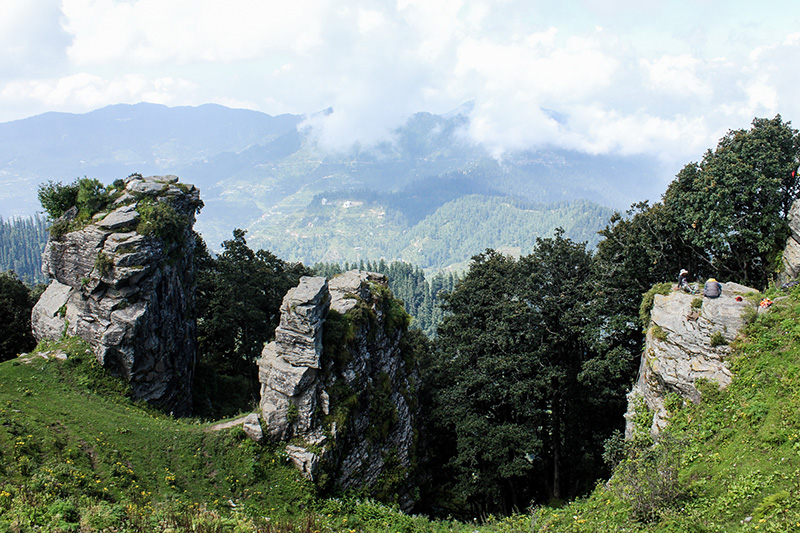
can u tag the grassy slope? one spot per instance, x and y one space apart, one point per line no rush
77 455
69 437
737 453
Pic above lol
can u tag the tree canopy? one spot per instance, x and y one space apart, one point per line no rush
239 294
729 211
519 384
16 304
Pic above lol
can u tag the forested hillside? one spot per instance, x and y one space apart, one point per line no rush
22 241
361 226
256 171
408 283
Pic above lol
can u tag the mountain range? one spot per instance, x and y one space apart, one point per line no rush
429 195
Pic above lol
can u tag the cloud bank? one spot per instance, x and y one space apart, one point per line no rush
646 77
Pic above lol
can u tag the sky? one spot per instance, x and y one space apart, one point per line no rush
659 78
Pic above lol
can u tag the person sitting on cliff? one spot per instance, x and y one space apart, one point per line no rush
712 288
683 281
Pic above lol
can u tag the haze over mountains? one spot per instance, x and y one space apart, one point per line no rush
429 196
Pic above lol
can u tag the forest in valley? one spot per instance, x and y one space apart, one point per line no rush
525 361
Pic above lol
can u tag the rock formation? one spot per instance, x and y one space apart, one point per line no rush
791 254
123 281
686 343
338 381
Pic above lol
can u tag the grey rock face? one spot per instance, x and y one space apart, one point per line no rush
334 402
791 254
252 427
130 296
679 351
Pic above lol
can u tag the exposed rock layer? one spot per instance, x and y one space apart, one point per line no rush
791 254
679 349
130 296
348 410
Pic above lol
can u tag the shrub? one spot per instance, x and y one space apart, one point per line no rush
648 481
717 339
91 198
659 333
697 303
103 263
160 219
56 198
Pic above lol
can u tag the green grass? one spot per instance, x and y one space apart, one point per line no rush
70 436
738 451
76 454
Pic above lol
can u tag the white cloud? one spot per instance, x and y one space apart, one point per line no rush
150 32
621 76
678 75
85 92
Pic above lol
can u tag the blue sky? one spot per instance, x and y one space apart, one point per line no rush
664 78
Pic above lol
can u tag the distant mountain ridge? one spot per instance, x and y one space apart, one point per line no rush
267 174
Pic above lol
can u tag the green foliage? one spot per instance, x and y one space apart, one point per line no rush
717 339
648 479
239 294
648 300
88 196
731 208
92 197
55 197
99 462
382 412
103 263
161 220
517 388
658 333
697 303
22 242
737 458
293 414
16 304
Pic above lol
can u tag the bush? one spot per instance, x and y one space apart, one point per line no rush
92 197
717 339
648 481
659 333
103 263
160 219
56 198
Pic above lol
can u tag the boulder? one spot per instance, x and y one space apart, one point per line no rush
679 350
252 427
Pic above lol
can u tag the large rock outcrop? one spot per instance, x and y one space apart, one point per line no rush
684 344
791 253
338 382
124 283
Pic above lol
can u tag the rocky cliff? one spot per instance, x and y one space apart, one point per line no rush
791 253
687 340
123 281
338 384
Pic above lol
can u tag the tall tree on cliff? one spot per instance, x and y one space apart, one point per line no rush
731 208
